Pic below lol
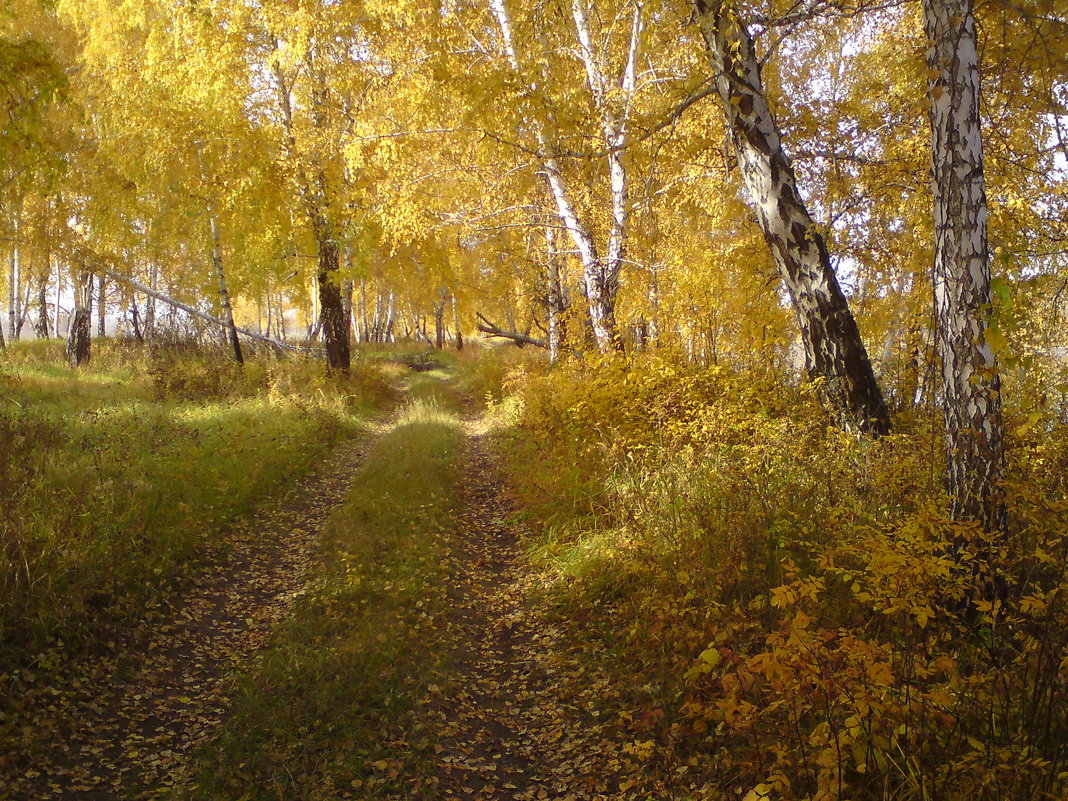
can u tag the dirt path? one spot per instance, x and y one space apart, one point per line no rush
520 723
124 724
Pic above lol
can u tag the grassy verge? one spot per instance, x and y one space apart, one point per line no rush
114 479
332 710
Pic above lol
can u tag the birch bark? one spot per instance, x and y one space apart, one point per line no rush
13 296
224 290
600 273
971 383
314 196
79 340
834 351
556 302
101 301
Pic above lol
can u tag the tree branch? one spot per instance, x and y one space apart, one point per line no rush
137 285
521 340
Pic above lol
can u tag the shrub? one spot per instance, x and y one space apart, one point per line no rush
803 591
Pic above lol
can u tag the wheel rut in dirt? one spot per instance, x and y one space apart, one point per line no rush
124 724
512 728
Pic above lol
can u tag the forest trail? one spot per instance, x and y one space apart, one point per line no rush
124 724
520 722
515 716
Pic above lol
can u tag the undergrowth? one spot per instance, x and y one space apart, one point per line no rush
792 594
115 478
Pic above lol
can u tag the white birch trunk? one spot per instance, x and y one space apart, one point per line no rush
834 351
13 294
972 403
602 283
79 341
556 300
600 293
224 291
59 291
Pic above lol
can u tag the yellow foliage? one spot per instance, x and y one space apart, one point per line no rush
835 635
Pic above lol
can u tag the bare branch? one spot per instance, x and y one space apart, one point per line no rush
521 340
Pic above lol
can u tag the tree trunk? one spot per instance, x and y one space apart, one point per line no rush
346 295
44 325
24 307
600 275
150 301
134 316
347 290
391 317
191 311
79 341
439 319
834 351
556 300
654 306
603 286
375 329
331 308
972 386
224 291
315 195
521 340
367 333
59 292
456 323
13 295
101 305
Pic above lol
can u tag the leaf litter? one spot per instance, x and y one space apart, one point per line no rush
521 720
520 715
124 722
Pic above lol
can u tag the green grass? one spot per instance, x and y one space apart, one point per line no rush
112 485
333 708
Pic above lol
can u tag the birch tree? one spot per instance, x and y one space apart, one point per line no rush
612 100
79 339
834 351
971 383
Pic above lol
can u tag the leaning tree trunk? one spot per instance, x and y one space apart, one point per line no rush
972 388
152 294
224 291
79 341
834 351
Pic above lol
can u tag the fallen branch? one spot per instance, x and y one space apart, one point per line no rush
521 340
152 293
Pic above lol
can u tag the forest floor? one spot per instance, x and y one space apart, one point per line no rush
522 722
123 723
495 703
